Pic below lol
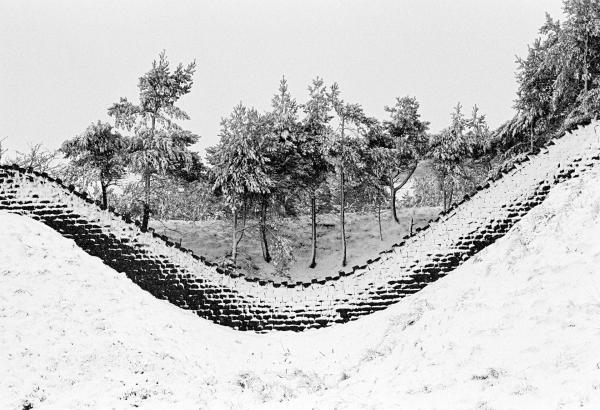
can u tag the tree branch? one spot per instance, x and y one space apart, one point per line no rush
408 176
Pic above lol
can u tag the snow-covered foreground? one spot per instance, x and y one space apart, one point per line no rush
518 327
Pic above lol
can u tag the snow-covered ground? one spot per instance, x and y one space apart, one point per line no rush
516 327
212 239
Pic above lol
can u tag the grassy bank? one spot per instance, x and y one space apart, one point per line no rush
212 239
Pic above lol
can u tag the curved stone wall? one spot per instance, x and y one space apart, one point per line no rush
228 298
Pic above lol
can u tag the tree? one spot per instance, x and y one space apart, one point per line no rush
399 146
451 148
314 166
2 149
100 150
376 161
536 89
347 114
39 158
562 67
238 162
158 143
582 32
281 157
478 132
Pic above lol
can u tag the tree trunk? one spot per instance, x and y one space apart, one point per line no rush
585 65
443 189
103 187
394 189
343 219
342 200
263 230
531 137
313 214
145 217
146 208
379 219
393 201
104 196
243 230
234 236
260 232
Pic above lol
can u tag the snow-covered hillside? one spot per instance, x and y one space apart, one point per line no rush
518 326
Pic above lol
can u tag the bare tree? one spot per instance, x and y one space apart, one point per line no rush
2 149
39 158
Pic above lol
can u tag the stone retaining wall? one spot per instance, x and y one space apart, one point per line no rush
229 298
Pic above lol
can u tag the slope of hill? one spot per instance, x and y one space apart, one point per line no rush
517 326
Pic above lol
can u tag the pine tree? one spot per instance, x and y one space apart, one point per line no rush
478 132
281 156
405 139
535 94
239 166
158 143
347 115
562 67
314 167
451 148
99 149
582 33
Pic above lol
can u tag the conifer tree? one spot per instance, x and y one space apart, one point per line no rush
99 149
158 142
239 166
401 145
453 146
347 115
314 167
282 156
558 78
582 33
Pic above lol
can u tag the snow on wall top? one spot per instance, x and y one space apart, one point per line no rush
228 298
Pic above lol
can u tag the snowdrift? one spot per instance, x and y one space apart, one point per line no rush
517 326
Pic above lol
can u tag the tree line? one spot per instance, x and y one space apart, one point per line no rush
295 158
295 154
558 80
323 153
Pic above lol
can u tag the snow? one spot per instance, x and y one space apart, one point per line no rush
515 327
362 238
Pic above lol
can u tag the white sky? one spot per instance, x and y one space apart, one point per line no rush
62 63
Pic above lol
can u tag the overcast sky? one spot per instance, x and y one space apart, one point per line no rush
62 63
